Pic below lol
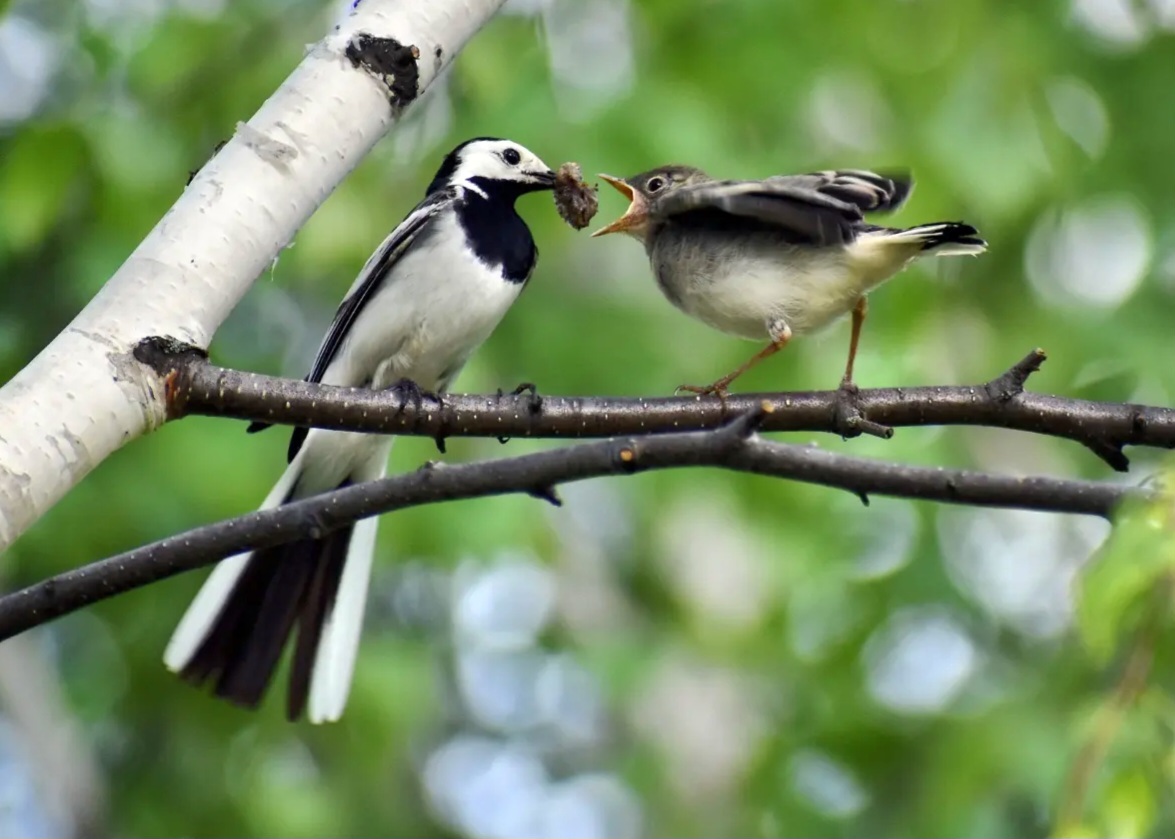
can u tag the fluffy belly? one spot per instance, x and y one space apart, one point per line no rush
741 296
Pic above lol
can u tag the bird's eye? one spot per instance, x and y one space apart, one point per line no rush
655 184
512 157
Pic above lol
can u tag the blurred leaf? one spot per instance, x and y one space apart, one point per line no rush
39 170
1128 808
1123 574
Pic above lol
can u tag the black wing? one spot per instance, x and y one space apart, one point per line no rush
370 278
823 208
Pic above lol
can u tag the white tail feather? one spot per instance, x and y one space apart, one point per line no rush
957 249
926 233
206 606
912 234
334 662
338 646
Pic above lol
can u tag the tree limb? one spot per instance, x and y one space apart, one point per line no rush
83 396
734 446
1104 427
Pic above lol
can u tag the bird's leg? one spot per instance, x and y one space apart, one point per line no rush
859 312
780 334
850 419
848 412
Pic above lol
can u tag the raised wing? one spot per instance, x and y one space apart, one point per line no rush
868 191
823 208
371 276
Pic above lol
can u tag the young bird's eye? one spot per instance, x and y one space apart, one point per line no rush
655 184
512 157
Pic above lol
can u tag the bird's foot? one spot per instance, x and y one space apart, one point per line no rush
848 418
719 388
407 391
536 402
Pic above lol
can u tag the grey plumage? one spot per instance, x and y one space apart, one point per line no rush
778 257
822 208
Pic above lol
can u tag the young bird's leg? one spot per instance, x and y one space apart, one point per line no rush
850 420
859 312
780 334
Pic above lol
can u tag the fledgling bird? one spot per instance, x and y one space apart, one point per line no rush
431 293
779 257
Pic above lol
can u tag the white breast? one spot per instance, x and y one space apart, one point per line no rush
438 306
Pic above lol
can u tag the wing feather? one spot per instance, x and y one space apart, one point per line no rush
370 278
824 208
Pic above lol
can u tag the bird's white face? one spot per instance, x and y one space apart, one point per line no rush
502 160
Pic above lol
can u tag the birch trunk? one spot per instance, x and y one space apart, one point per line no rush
84 396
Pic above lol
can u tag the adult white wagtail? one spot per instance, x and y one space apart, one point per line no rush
779 257
431 293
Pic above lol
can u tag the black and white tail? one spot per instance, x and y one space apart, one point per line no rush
236 628
944 238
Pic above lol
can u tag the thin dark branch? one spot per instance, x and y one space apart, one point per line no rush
735 446
198 387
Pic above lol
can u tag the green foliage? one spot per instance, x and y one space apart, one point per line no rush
1119 588
776 659
32 199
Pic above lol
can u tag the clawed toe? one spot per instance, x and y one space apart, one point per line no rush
408 391
849 419
536 401
535 404
716 389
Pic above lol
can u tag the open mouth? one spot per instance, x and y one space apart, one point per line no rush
636 214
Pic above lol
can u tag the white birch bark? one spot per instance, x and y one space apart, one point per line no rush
85 395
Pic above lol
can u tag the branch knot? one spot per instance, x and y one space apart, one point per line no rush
391 63
1010 384
171 359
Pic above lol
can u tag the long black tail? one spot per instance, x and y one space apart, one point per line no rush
281 588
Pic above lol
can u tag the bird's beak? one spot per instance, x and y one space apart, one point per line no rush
543 180
636 214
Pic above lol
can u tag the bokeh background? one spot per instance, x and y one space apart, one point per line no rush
686 654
